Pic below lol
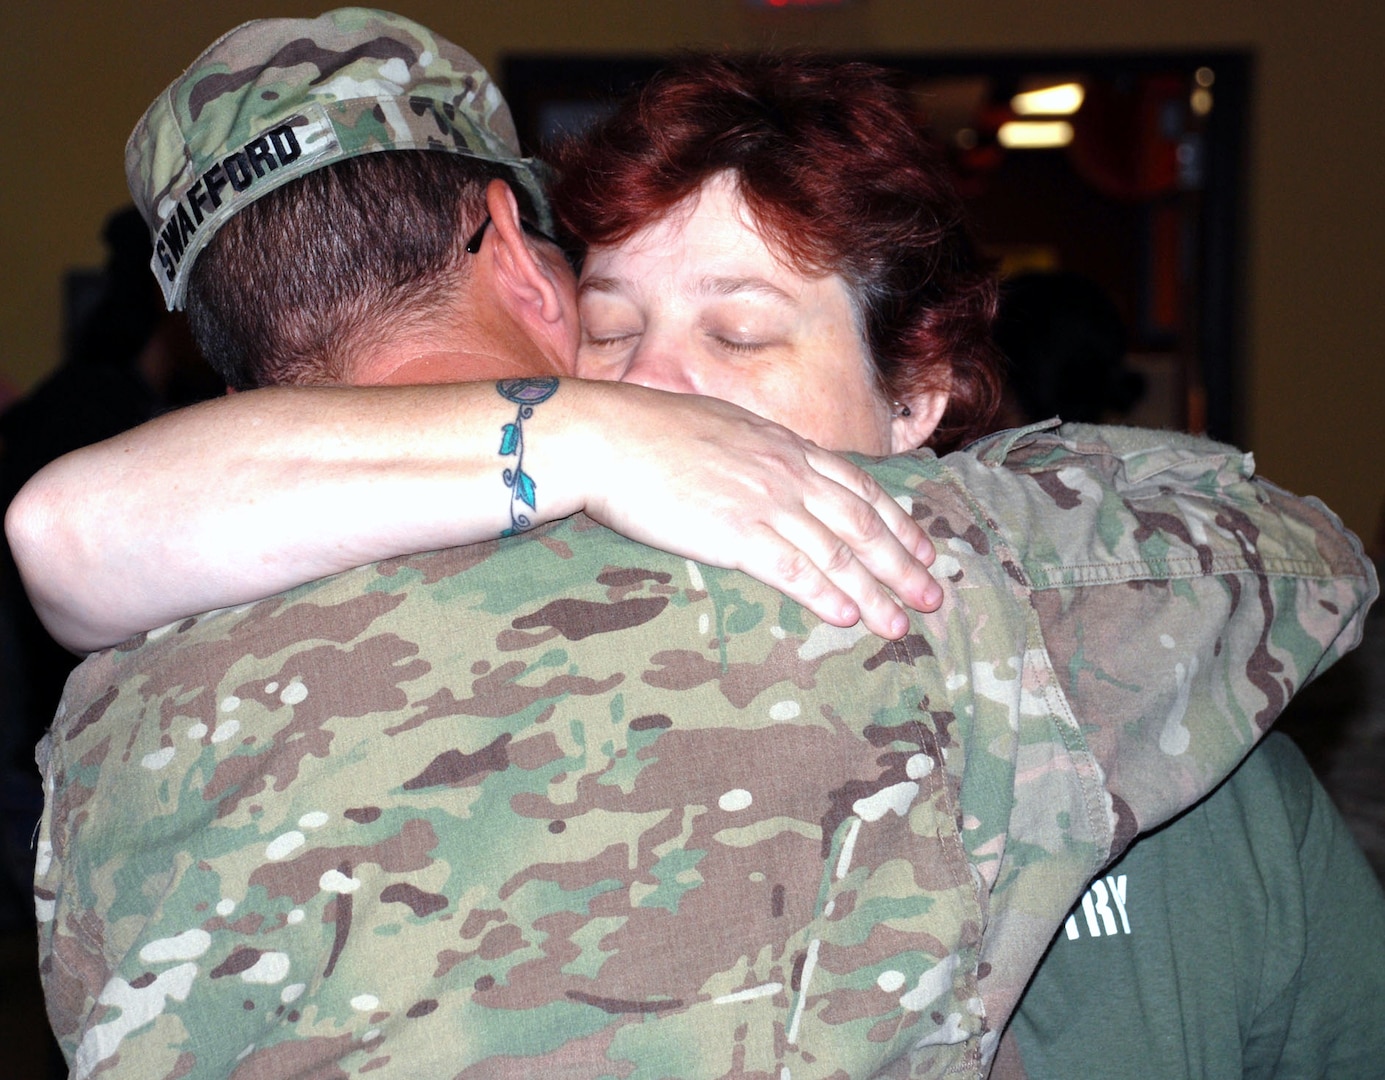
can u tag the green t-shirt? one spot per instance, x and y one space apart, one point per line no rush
1244 939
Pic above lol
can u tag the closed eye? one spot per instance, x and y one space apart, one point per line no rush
740 346
608 341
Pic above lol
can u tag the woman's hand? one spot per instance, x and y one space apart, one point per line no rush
706 479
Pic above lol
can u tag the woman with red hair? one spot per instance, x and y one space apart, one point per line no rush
816 174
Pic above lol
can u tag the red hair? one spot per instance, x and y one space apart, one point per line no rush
838 178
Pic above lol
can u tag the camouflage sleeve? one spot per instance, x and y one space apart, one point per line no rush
565 806
1183 600
1180 602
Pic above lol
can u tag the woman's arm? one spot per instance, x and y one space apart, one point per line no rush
239 498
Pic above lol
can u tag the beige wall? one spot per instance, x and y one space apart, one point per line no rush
1315 275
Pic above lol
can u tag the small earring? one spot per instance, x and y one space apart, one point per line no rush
900 409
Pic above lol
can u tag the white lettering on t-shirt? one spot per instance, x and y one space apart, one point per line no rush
1118 895
1097 906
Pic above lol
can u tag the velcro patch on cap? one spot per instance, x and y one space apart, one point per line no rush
189 215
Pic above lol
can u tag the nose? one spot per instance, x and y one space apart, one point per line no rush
660 366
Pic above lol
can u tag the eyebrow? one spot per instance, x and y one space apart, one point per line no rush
710 285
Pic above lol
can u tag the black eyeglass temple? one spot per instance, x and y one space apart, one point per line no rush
473 245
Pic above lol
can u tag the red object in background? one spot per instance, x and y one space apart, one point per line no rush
1125 138
975 163
1165 310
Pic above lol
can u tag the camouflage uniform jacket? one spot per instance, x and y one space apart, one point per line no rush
564 806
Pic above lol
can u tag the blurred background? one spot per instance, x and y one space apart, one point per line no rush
1195 185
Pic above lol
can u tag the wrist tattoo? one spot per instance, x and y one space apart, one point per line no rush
525 393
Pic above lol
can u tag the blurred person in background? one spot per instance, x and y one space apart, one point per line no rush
130 359
1065 346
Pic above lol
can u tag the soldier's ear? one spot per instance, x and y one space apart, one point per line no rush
524 265
531 278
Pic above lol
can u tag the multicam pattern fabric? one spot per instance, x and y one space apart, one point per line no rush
352 81
563 806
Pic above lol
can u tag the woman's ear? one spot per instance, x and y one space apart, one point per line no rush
914 421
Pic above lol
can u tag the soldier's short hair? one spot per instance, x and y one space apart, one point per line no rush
290 288
267 108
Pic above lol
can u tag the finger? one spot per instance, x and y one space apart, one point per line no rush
856 480
881 612
816 563
863 528
785 567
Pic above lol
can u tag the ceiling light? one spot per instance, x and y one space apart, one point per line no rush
1034 134
1061 100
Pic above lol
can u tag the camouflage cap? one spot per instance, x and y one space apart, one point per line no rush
276 98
